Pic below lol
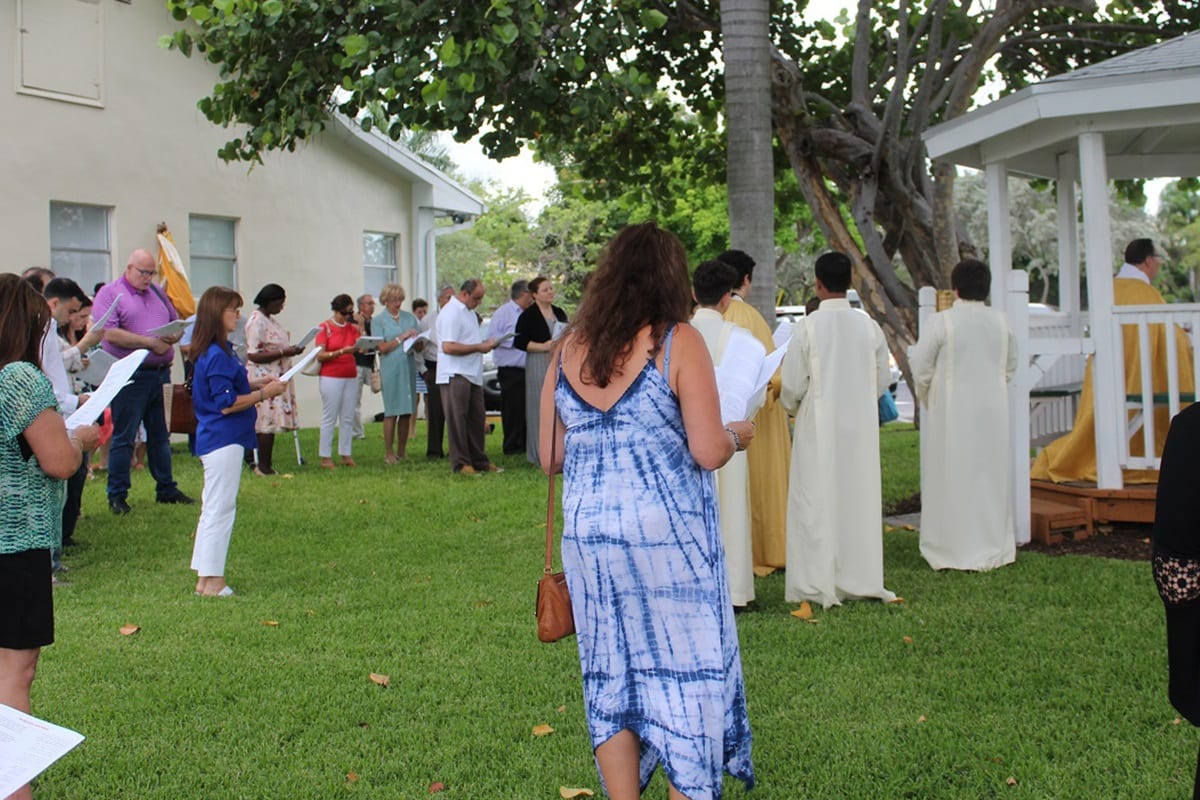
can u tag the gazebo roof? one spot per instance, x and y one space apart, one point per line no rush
1146 103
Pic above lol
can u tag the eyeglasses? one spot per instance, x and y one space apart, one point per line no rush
149 273
347 312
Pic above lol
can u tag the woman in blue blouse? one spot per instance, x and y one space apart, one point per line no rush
37 454
224 399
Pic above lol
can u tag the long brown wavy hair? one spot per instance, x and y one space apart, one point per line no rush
24 316
641 280
210 324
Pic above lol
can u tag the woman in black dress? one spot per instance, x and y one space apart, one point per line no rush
1176 559
537 328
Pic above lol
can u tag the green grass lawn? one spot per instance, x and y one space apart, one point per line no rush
1049 675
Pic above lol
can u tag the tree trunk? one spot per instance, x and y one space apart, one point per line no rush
749 166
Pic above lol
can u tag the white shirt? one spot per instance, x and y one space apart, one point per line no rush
429 323
56 371
1134 273
457 323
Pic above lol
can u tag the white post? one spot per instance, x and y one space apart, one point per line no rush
999 233
1068 245
1018 404
1097 248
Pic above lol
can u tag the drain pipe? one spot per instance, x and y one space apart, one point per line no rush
430 270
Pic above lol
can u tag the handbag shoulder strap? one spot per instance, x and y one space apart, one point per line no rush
550 499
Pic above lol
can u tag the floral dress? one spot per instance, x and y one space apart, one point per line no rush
275 414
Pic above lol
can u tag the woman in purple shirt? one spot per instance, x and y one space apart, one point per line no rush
224 399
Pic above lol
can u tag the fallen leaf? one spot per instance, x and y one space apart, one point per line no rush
889 528
804 611
567 794
813 621
351 777
271 623
896 602
436 787
906 639
921 718
287 475
382 680
310 612
561 709
362 502
760 571
1011 781
1176 721
482 603
910 527
130 630
364 724
476 519
542 730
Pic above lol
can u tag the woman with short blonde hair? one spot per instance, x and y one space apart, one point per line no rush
397 370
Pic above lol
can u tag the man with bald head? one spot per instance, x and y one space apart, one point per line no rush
140 307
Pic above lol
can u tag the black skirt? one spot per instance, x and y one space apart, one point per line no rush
27 599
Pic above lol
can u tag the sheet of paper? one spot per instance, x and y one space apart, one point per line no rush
737 376
783 333
118 375
506 337
423 336
301 364
28 746
104 317
367 344
99 362
559 328
173 328
767 371
308 337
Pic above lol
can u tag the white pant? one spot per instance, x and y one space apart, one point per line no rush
364 379
338 396
218 507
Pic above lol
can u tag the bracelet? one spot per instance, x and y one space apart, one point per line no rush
737 440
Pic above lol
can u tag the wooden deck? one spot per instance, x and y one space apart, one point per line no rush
1075 509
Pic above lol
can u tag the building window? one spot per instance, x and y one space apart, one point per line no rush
61 53
212 249
80 245
379 261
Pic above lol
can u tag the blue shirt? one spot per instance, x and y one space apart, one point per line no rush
505 321
217 381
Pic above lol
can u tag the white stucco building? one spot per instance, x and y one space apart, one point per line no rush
103 141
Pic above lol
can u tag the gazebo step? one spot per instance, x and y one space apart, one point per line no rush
1050 520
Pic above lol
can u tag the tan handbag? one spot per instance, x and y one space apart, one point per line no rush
177 408
555 619
376 377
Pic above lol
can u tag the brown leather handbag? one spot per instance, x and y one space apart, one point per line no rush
177 407
555 619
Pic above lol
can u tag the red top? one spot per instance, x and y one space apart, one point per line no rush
335 337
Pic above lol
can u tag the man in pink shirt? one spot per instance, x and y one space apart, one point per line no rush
140 308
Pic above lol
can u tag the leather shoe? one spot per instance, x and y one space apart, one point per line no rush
179 499
117 505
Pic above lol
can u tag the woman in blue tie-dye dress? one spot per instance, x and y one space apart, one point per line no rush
638 430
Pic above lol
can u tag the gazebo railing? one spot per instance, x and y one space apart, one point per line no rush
1138 419
1057 376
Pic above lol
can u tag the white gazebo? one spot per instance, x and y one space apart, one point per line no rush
1133 116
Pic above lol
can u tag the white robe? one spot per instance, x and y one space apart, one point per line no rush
833 374
961 367
733 479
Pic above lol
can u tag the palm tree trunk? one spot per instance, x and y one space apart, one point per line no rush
749 164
